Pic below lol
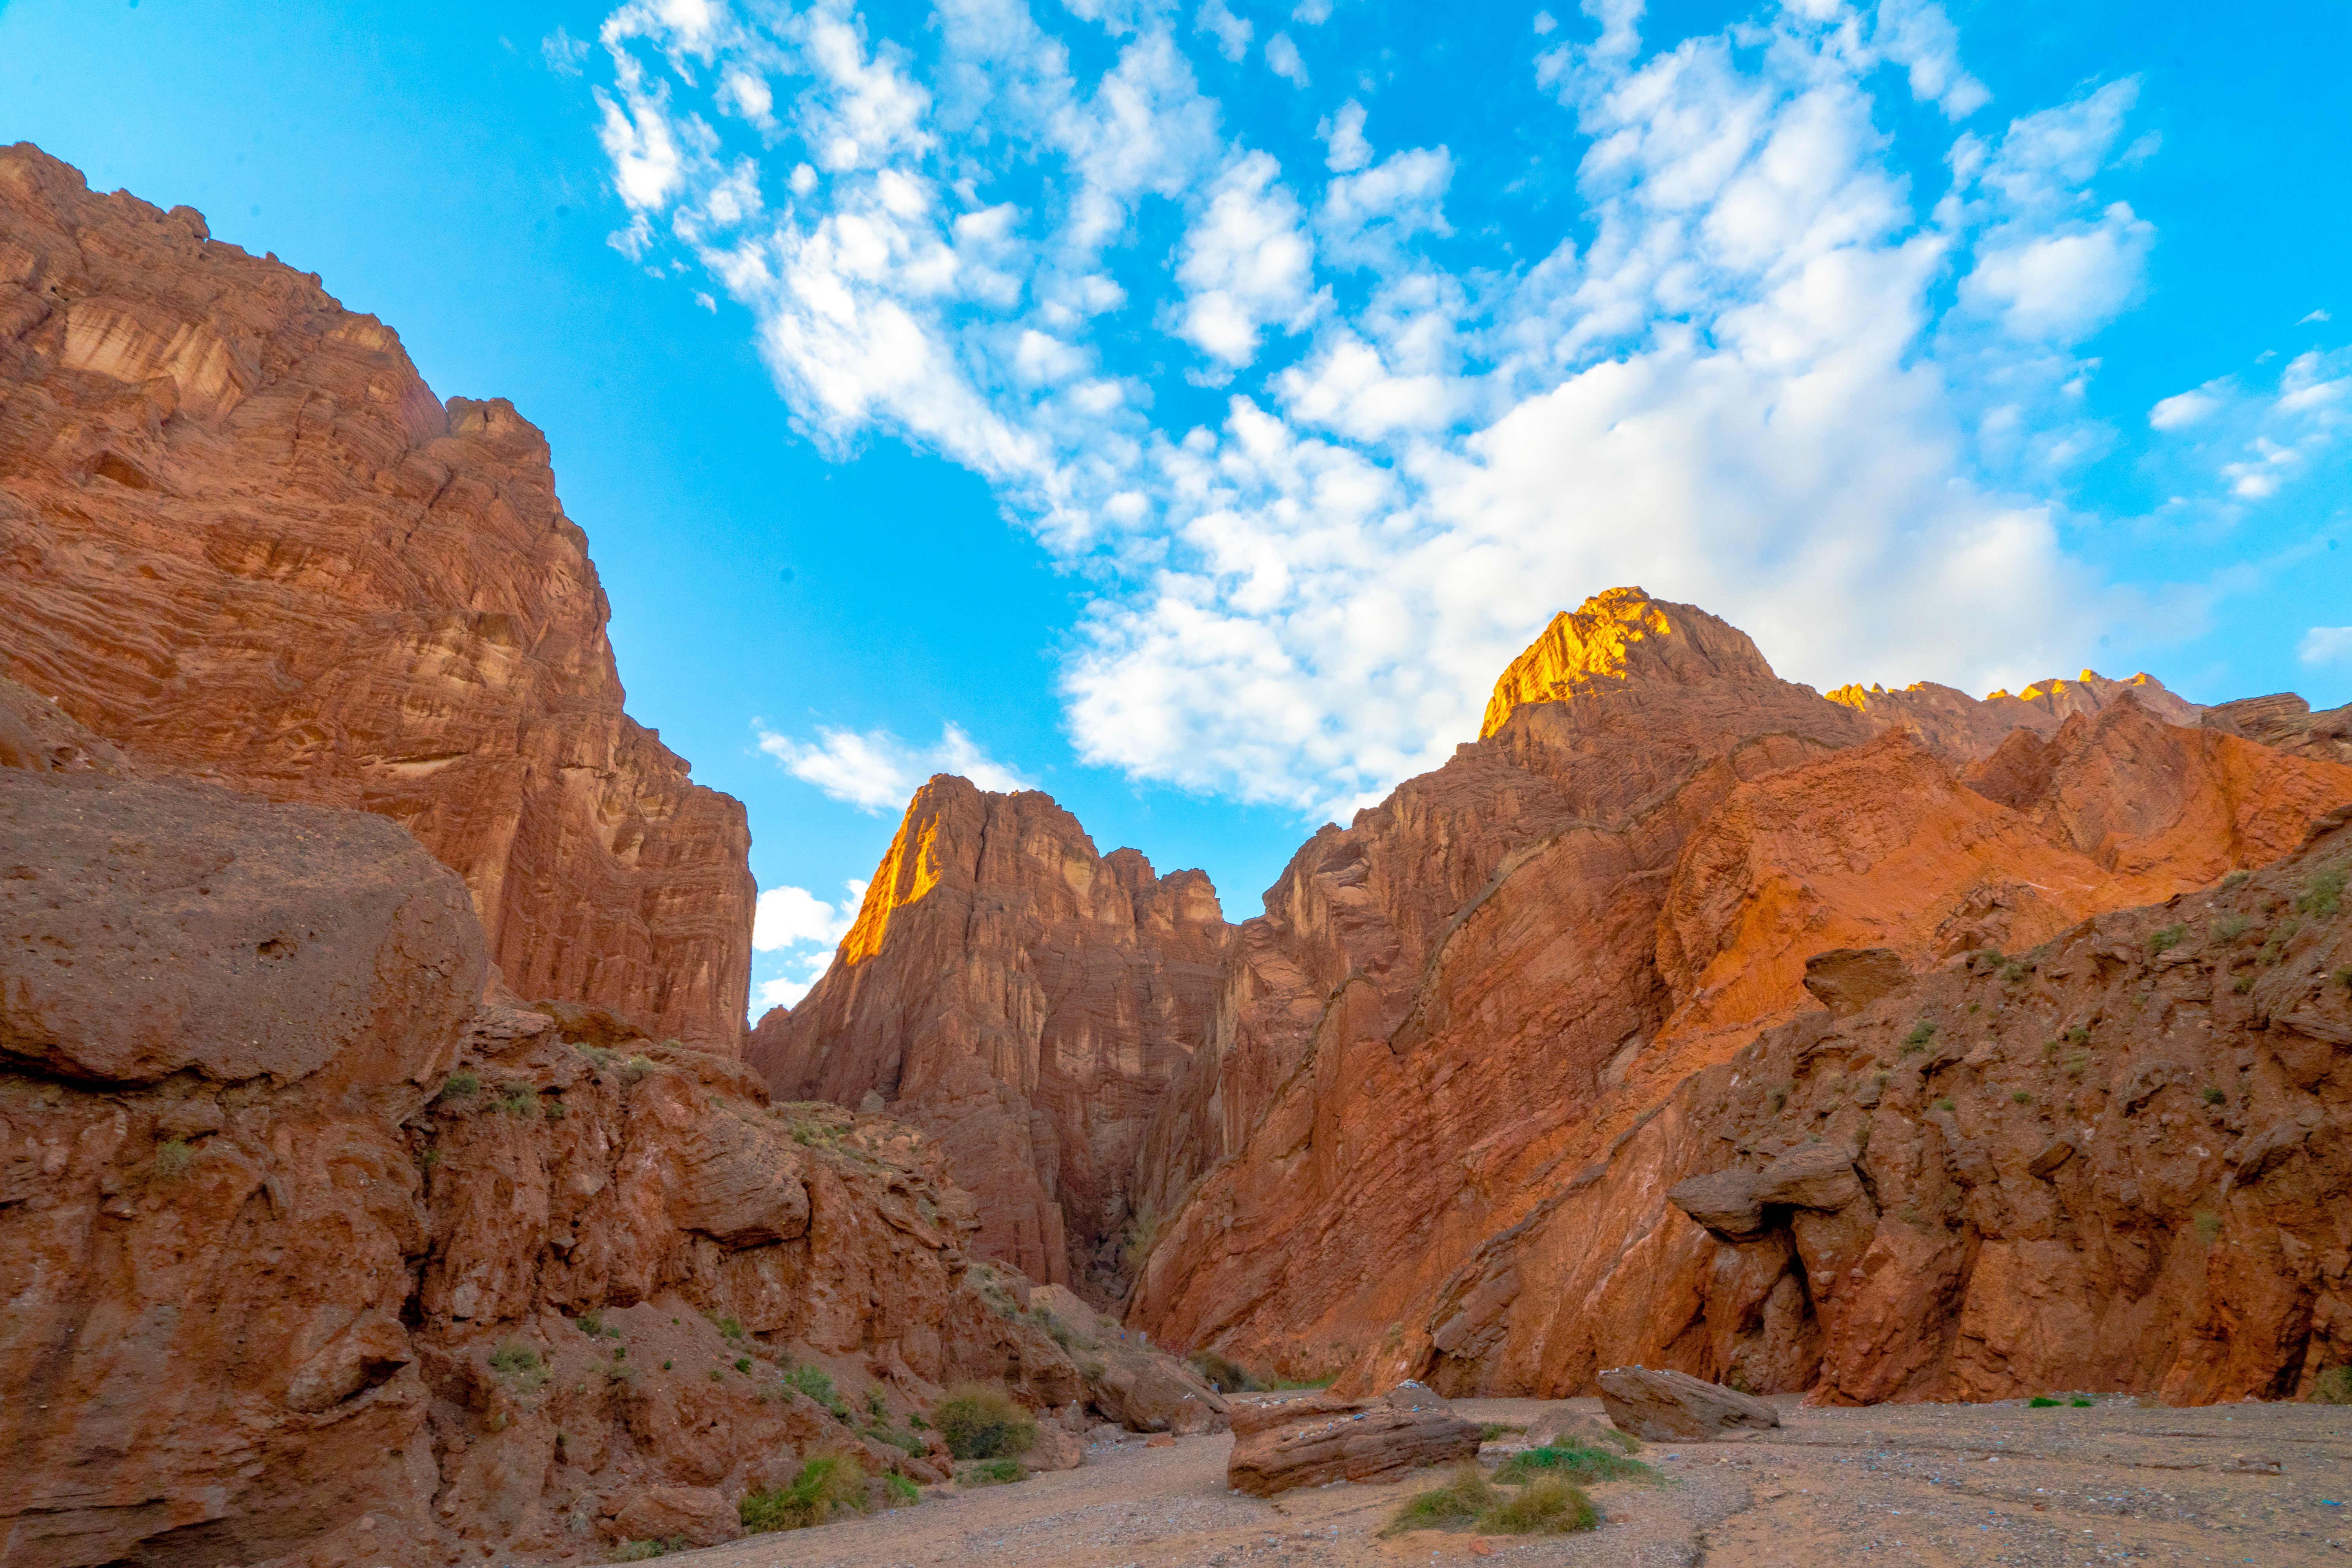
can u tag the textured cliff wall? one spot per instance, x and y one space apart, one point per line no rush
2111 1161
244 540
1458 1004
1024 1001
312 1258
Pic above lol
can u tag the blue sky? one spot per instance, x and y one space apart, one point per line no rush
1187 409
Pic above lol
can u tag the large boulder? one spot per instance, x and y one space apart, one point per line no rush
1309 1442
149 928
696 1516
1145 1391
1671 1406
1056 1448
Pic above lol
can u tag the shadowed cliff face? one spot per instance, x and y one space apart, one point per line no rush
313 1257
1456 1008
244 540
1023 1000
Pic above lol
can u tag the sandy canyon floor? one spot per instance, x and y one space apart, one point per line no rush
1917 1484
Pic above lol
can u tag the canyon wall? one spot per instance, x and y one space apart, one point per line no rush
1455 1007
314 1258
244 540
1024 1001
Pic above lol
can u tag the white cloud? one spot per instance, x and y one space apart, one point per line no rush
563 53
1232 33
804 931
1343 133
791 916
2314 316
876 772
1763 369
1246 262
1313 13
1282 57
1918 34
2327 645
2183 409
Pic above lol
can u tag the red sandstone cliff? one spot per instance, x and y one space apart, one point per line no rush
1023 1000
1458 1006
244 540
312 1258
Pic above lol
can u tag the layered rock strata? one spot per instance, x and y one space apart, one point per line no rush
312 1256
1024 1001
244 540
1459 1004
2106 1162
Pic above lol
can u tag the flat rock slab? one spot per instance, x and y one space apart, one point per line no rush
1377 1442
1673 1406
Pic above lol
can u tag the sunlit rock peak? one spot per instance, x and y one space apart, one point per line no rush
1617 638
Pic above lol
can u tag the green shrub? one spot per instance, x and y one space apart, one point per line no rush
991 1473
903 1492
2012 972
2229 928
816 1383
827 1486
2020 1096
729 1329
2244 983
1549 1506
173 1157
2214 1097
518 1102
519 1363
1916 1040
2236 880
2079 1403
2324 894
1945 1105
2167 939
2208 1225
2333 1386
2042 1402
742 1363
875 1404
1491 1430
461 1084
1464 1496
1231 1376
637 1551
1577 1460
982 1423
2344 978
592 1324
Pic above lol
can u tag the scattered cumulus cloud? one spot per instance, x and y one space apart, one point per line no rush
2327 645
1282 57
1760 366
876 772
795 933
2314 316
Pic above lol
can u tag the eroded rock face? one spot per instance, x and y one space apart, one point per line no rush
2101 1164
244 540
1024 1001
314 1258
1461 1012
1961 729
2285 722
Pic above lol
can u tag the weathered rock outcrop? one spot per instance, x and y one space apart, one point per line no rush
313 1257
1961 729
1311 1442
2285 722
1456 1008
1026 1002
1668 1406
2103 1162
244 540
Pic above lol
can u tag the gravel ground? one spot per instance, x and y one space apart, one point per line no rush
1931 1485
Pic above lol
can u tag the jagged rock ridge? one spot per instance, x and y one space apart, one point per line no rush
244 540
1024 1001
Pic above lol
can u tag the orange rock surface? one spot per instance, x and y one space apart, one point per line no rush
312 1258
1962 729
242 539
1024 1001
1462 1011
